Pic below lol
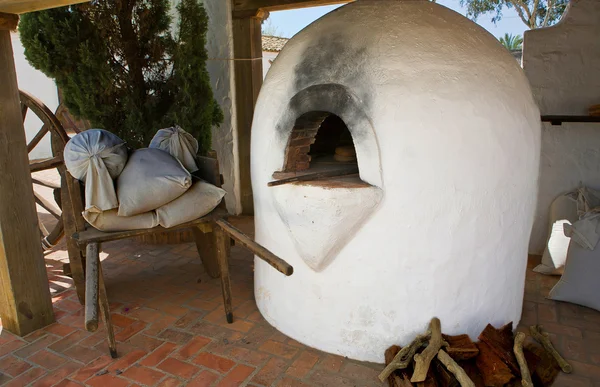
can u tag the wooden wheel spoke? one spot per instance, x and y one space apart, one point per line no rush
45 183
47 205
24 109
38 137
43 229
45 164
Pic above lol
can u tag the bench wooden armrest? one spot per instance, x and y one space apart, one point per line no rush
92 235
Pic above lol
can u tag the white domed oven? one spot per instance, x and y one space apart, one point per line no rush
424 132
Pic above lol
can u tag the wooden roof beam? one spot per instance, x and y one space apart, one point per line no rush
243 6
24 6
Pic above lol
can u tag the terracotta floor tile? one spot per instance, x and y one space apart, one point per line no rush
47 359
26 378
13 366
173 333
237 376
204 379
178 368
214 362
57 375
143 375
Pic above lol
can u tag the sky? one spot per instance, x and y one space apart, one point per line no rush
288 23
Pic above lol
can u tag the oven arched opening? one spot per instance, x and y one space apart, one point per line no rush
320 151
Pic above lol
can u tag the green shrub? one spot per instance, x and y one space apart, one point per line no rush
120 67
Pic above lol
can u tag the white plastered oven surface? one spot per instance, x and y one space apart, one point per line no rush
447 132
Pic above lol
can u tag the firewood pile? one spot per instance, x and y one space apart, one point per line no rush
499 358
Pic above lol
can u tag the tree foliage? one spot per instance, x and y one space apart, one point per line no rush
119 66
534 13
511 42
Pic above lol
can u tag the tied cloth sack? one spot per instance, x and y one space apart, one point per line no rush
96 157
179 144
586 231
110 221
151 178
198 201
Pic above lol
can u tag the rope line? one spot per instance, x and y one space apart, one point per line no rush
236 59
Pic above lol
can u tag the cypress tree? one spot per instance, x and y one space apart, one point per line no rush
120 67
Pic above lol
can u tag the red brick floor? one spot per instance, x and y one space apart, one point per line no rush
171 330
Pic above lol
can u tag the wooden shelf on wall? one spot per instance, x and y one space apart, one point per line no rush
558 120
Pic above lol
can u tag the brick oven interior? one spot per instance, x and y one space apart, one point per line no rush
321 143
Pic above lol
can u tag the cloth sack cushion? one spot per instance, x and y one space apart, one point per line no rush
151 178
579 284
110 221
198 201
562 211
179 144
586 231
96 157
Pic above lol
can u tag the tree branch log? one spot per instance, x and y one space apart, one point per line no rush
423 359
542 338
456 370
518 349
404 357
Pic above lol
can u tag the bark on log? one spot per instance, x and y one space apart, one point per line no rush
430 380
460 347
542 338
501 341
544 368
404 356
456 370
393 379
493 370
442 375
423 359
518 349
471 369
396 379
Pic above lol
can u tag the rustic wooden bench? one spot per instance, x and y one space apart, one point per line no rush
212 234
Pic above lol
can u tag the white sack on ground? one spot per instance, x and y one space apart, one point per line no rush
150 179
96 157
198 201
562 211
110 221
179 144
579 283
586 231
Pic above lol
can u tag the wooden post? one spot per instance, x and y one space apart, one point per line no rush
247 48
25 303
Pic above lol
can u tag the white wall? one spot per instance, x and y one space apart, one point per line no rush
563 63
220 45
221 71
42 87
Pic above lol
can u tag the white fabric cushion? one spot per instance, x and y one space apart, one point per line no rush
96 157
179 144
151 178
110 221
579 283
562 211
198 201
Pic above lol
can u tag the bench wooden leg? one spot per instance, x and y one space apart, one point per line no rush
207 250
105 309
91 287
222 243
96 297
